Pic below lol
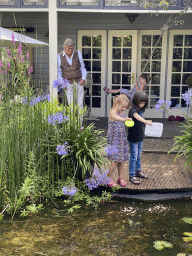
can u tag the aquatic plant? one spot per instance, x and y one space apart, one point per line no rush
188 237
160 245
187 220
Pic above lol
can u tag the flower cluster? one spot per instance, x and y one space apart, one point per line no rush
57 118
69 190
98 178
60 84
187 97
62 149
161 104
111 149
36 100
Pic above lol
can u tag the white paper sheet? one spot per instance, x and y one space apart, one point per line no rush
154 130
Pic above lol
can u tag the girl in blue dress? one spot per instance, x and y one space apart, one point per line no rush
117 139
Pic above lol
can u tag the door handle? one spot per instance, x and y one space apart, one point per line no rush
133 78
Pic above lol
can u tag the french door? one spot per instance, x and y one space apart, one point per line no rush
116 58
179 69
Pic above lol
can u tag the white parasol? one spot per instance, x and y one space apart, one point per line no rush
6 37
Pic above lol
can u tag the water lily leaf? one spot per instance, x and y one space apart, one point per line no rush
181 254
187 239
187 234
160 245
187 220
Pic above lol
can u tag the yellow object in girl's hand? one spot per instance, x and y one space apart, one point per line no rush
129 123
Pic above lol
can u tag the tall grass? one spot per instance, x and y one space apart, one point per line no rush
29 162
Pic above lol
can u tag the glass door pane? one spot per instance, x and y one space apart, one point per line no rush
92 46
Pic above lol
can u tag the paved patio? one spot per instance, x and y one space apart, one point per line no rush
165 174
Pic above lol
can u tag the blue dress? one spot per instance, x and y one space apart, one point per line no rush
116 137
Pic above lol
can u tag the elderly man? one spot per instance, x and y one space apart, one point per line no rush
72 68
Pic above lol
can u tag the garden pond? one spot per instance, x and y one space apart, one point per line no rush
119 227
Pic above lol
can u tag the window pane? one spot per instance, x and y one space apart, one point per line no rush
176 78
185 76
127 54
177 53
187 66
116 41
147 67
126 79
116 79
145 53
86 53
127 41
174 103
188 53
116 53
96 78
96 90
155 90
79 2
116 66
126 66
86 41
158 39
156 66
175 91
96 65
7 2
155 79
176 66
146 40
96 53
96 102
97 41
188 40
157 54
33 2
87 65
178 40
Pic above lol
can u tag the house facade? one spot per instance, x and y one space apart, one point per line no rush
118 39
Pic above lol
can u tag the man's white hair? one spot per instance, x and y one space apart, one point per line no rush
68 42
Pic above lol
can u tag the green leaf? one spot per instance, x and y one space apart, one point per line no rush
160 245
187 234
187 220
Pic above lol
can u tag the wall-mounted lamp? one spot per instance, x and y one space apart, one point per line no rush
131 16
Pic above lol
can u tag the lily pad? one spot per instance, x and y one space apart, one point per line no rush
189 238
181 254
187 220
160 245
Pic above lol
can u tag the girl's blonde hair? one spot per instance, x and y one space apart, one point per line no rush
119 99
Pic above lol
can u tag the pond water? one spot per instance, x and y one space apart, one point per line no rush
120 227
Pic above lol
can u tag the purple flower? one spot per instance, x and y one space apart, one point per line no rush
187 97
111 149
57 118
20 48
27 55
1 64
35 101
69 190
62 149
60 84
8 65
30 70
8 52
13 40
161 104
98 178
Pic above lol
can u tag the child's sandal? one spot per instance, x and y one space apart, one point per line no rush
122 182
141 174
134 180
112 184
